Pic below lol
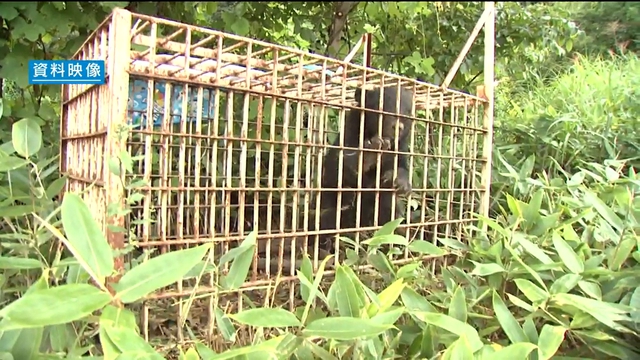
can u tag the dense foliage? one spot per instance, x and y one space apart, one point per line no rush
556 275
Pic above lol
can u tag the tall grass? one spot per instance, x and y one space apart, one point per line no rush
588 114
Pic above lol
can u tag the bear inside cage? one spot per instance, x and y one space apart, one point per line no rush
224 163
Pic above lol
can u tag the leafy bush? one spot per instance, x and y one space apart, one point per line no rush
588 114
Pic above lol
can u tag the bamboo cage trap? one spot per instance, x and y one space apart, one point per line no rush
227 135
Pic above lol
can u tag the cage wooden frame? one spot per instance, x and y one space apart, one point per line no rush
207 63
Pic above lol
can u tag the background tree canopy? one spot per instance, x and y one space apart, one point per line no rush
556 275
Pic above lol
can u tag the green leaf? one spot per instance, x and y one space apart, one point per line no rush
131 344
609 215
8 163
567 255
415 302
551 338
224 325
26 137
114 317
85 240
565 283
57 305
507 321
621 253
390 295
458 305
531 291
452 325
388 228
425 247
344 328
634 303
17 263
242 257
266 317
240 26
459 350
591 289
157 273
486 269
344 293
519 350
532 248
391 239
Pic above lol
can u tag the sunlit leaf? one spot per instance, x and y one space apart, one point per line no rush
157 273
85 239
26 137
344 328
551 338
266 317
56 305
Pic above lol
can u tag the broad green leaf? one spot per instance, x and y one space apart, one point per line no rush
531 291
388 228
391 239
389 317
8 163
27 344
609 215
532 248
530 330
486 269
567 255
621 253
607 313
239 268
459 350
84 238
591 289
507 321
344 328
425 247
158 272
634 303
224 325
565 283
131 344
204 351
390 295
344 294
532 272
458 305
551 338
415 302
318 351
16 263
519 350
26 137
452 325
114 317
57 305
191 354
266 317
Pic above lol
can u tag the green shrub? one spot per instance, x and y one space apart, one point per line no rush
589 114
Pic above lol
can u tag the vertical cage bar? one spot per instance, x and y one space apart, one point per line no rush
119 57
487 116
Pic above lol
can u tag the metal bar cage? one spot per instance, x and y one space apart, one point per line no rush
231 135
